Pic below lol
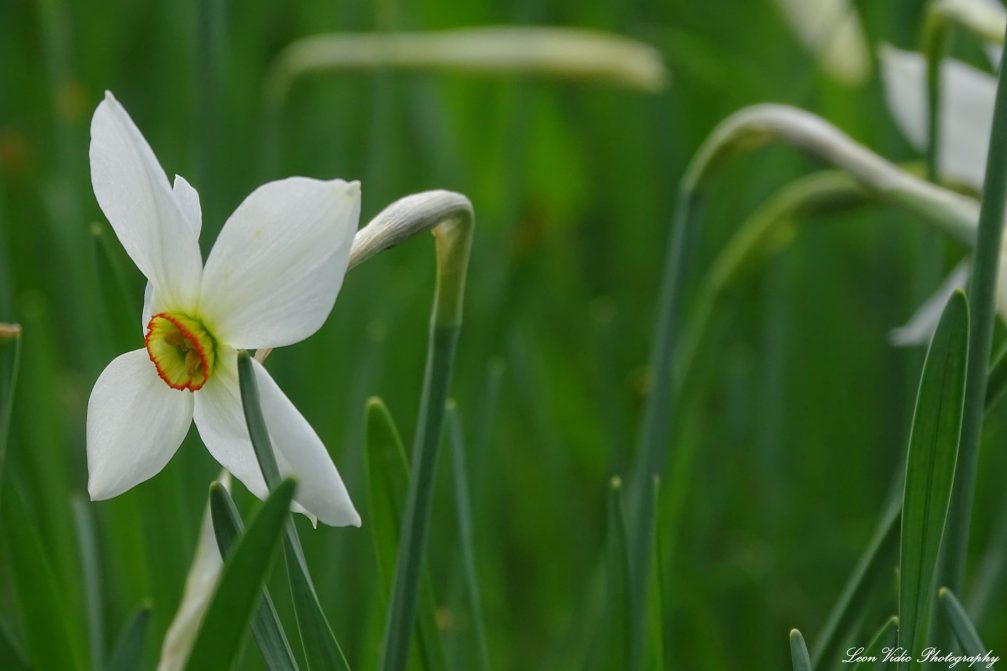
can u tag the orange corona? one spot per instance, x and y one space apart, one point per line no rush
182 350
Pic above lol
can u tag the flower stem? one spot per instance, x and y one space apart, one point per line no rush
450 216
982 299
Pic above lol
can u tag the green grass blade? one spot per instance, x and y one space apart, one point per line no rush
230 611
962 626
982 301
8 382
388 482
321 649
90 573
997 380
50 640
885 637
266 628
616 624
128 652
256 421
463 512
11 654
453 238
871 567
655 599
799 652
930 469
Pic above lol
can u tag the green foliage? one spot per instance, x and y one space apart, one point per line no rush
930 472
236 596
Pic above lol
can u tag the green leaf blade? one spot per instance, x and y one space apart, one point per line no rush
234 600
388 483
962 626
799 657
930 472
266 628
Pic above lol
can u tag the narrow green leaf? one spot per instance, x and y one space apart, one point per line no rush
388 482
873 655
616 623
997 383
90 574
964 630
257 430
128 652
320 645
11 654
871 567
11 333
799 652
655 599
412 544
982 299
50 641
321 649
266 628
234 600
930 470
463 512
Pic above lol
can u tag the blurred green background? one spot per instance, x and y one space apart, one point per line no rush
799 422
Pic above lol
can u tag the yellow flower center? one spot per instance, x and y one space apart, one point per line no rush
181 348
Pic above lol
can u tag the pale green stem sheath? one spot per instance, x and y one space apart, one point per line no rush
561 53
450 217
743 131
982 303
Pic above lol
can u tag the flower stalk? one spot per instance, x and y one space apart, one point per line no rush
982 300
561 53
450 217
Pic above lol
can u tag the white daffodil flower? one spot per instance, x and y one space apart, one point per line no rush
831 30
966 118
270 280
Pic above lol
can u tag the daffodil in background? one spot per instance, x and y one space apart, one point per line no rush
831 30
965 116
270 280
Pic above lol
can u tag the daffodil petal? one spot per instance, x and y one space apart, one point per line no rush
134 194
921 326
966 112
199 585
135 422
299 453
273 274
188 202
831 30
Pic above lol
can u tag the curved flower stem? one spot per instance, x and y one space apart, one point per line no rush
983 20
745 130
760 234
562 53
450 217
982 300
